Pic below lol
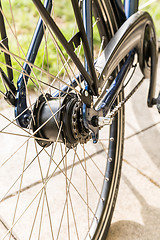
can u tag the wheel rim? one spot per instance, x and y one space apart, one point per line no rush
31 193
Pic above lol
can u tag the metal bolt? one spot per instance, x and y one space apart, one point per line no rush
107 179
110 159
86 93
111 139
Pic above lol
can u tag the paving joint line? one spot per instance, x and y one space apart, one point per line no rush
141 131
40 181
142 174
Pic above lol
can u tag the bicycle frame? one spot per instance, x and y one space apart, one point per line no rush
87 72
130 7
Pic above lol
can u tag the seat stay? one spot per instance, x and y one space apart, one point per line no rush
131 35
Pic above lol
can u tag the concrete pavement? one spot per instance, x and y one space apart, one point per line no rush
137 212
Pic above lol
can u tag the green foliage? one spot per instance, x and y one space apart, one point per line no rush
26 18
154 11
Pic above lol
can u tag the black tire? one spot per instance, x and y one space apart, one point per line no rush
23 194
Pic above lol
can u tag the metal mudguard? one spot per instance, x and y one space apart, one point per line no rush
138 33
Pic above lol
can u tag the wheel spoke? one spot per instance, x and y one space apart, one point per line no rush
67 193
44 198
63 172
32 65
88 177
91 158
55 189
41 189
39 69
20 187
36 213
6 196
87 189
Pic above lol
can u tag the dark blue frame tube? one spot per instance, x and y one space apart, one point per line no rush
130 7
21 109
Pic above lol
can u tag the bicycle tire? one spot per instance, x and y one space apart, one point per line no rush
97 227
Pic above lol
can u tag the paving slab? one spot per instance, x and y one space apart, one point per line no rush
137 212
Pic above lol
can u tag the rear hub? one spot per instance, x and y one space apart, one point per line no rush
59 119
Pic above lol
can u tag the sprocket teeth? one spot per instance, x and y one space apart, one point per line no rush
77 125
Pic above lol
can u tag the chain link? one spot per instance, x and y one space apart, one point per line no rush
109 118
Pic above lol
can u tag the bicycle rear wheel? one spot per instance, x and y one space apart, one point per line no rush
56 192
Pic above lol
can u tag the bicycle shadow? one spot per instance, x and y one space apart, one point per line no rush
129 230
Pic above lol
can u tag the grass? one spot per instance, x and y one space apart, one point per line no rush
154 10
26 17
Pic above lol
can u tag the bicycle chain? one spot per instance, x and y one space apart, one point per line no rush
112 114
83 137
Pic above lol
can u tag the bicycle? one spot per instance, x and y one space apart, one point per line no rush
74 114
